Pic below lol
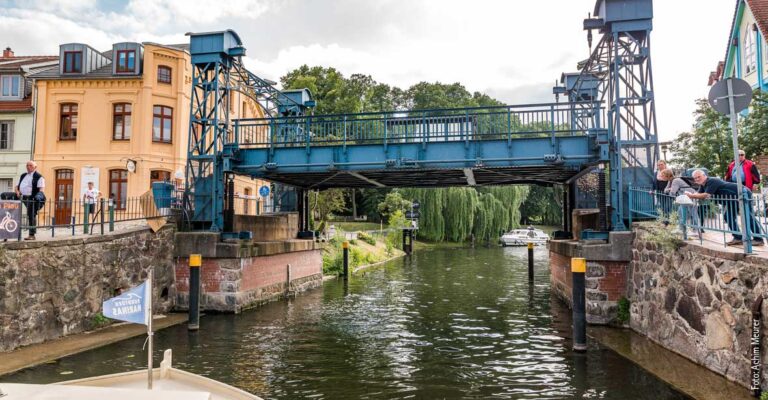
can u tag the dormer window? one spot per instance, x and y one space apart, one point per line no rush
126 61
73 62
10 86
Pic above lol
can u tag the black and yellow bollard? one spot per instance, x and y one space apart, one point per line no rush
345 252
578 270
530 262
195 263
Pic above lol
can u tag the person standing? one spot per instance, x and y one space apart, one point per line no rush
726 194
90 197
660 181
30 190
750 176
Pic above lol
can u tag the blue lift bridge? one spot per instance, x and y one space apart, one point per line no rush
606 122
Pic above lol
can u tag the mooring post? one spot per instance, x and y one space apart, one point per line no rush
530 261
86 210
195 263
345 252
578 270
111 215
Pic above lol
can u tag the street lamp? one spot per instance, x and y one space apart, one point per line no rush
664 148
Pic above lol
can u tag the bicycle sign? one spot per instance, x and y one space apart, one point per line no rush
10 219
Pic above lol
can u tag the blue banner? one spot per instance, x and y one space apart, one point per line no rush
130 306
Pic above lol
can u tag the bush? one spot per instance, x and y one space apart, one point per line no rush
365 237
623 313
98 320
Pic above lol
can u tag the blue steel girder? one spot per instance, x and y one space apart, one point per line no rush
492 162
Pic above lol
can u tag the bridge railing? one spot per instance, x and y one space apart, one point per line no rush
715 214
416 126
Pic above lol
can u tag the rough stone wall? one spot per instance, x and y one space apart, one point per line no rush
697 302
50 289
234 284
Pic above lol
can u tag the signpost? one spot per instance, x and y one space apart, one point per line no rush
264 191
729 97
10 219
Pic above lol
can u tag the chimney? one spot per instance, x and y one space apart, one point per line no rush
7 52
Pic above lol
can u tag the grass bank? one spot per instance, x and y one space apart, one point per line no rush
363 251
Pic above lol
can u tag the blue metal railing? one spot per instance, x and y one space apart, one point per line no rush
417 126
715 214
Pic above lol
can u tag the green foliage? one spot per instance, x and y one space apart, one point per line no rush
394 201
708 145
664 235
396 223
543 205
324 204
98 320
366 238
753 137
622 315
764 396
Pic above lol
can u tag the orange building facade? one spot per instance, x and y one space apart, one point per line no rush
119 119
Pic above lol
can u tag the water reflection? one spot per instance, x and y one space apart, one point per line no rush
459 323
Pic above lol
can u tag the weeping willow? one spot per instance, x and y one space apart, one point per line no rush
455 214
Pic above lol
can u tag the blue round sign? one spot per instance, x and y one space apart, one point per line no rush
264 191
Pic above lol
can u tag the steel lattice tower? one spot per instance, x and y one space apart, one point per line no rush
621 61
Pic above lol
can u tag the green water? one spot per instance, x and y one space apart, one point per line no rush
443 324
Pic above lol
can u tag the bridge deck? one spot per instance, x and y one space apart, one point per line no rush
541 143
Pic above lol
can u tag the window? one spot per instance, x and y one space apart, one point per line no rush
749 51
159 176
73 62
163 74
118 187
162 124
11 86
68 122
6 185
121 121
126 61
6 135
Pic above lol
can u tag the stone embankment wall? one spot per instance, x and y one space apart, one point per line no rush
242 280
50 289
697 302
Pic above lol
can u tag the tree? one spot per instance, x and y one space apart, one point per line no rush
324 204
754 131
543 205
708 145
393 202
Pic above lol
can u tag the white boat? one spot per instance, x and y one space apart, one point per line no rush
521 237
168 384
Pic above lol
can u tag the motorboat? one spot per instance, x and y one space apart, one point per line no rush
521 237
168 383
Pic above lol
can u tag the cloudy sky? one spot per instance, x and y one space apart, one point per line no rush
511 49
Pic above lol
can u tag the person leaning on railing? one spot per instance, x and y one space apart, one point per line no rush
677 187
725 193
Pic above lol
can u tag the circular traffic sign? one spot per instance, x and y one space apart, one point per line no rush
718 95
264 191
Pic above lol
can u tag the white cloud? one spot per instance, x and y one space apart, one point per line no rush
510 49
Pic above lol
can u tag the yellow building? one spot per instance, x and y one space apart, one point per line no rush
120 119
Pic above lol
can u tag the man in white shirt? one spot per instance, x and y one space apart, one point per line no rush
30 190
90 197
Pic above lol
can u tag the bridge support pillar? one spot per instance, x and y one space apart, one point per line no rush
303 207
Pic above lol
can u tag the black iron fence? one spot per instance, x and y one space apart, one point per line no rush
72 217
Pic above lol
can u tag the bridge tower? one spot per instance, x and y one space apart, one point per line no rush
217 72
621 62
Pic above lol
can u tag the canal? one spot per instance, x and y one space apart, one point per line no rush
442 324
